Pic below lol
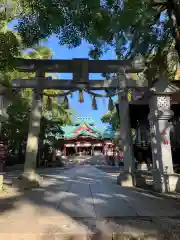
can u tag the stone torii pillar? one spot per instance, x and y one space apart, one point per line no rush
29 178
126 179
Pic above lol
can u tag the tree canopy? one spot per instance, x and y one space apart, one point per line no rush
131 27
111 118
99 22
15 129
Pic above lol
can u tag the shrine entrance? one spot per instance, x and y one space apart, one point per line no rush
80 69
158 99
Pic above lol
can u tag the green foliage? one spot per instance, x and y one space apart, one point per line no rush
10 41
39 52
99 23
11 45
71 21
131 27
111 118
16 128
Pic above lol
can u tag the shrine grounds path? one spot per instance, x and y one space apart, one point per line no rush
84 200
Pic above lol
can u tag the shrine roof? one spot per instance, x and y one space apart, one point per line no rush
80 127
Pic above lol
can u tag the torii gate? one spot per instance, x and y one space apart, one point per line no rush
80 68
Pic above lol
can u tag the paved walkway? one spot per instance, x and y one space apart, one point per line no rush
83 200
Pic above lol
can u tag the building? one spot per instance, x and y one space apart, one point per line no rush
139 110
83 137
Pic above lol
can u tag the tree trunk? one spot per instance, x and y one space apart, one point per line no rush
174 15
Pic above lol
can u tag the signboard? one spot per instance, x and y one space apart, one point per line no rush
83 145
69 145
108 143
97 145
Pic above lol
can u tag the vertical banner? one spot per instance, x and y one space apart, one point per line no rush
117 110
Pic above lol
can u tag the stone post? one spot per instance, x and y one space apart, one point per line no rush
29 178
126 141
159 117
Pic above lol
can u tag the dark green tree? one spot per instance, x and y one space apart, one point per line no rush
131 27
112 119
15 129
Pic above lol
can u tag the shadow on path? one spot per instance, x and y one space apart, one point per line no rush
86 200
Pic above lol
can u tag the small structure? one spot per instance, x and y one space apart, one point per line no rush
83 137
155 117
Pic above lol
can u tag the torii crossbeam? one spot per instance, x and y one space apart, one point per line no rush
80 69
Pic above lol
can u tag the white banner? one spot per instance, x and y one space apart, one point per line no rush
69 145
97 145
109 143
83 145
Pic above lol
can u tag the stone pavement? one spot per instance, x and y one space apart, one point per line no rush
84 200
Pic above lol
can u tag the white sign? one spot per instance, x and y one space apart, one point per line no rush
97 145
109 143
83 145
69 145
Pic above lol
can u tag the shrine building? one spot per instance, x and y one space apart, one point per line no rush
83 137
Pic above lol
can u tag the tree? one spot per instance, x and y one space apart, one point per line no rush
15 129
112 117
173 10
17 125
132 27
10 41
11 46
